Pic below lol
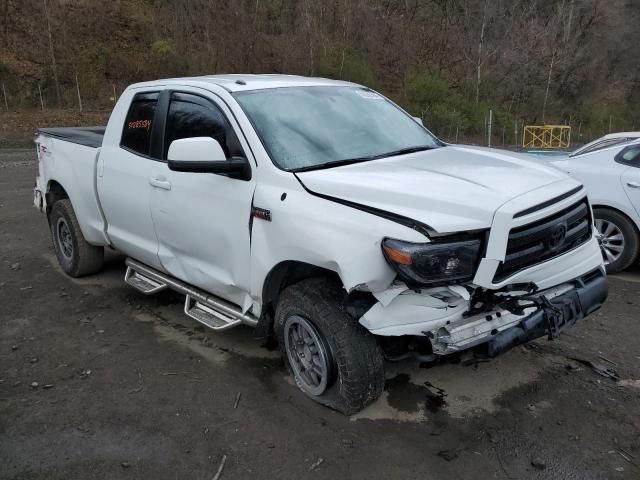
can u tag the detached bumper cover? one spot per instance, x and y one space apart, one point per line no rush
555 314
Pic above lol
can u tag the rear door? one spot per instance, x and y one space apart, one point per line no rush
125 167
202 219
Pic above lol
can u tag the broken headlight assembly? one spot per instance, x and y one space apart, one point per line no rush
433 264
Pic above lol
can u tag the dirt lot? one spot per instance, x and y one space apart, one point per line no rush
99 381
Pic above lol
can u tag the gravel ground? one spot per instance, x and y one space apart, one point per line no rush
99 381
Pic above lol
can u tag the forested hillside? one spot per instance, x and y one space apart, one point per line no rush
563 61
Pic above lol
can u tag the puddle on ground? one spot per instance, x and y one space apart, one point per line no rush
413 394
405 396
383 410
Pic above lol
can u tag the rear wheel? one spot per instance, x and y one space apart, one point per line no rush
333 359
618 239
76 257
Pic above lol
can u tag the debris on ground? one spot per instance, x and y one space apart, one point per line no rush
220 468
598 368
16 266
448 455
316 464
125 464
538 464
605 359
35 384
235 405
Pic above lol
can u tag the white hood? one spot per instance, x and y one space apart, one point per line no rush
451 189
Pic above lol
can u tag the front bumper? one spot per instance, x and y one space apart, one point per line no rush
442 314
555 314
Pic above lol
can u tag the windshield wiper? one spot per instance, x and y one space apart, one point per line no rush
404 151
349 161
334 163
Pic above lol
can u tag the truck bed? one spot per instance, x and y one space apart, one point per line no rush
87 136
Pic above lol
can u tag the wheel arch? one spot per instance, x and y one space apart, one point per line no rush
55 192
619 211
290 272
287 273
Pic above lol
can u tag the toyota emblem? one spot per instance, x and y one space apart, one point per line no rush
557 236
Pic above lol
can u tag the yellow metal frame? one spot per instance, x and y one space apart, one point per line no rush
546 136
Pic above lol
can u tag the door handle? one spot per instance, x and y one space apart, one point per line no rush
633 184
160 182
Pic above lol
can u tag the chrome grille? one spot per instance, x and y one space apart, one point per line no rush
547 238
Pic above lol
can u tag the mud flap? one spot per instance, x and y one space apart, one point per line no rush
555 314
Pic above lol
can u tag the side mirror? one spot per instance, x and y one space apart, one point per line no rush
418 120
205 155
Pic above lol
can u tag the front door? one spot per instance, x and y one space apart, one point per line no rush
202 219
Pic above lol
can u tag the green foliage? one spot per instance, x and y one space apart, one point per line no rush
5 71
431 97
354 68
164 47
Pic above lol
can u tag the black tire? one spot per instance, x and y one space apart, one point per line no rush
356 364
629 241
76 257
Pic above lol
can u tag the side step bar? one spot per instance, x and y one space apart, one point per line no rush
203 307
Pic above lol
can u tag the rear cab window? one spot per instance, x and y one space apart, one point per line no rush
138 125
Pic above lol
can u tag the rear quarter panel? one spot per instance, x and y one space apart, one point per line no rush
73 166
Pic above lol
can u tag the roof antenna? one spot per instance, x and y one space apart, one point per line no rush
241 82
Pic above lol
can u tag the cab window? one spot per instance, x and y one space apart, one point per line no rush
194 116
136 134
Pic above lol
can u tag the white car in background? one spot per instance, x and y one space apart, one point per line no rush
610 169
608 140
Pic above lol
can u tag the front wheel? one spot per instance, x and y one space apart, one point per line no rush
333 359
76 257
618 239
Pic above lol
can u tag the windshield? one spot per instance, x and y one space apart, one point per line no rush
304 128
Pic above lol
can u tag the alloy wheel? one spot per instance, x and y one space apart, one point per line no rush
611 240
308 355
65 241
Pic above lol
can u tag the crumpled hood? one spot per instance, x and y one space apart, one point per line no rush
451 189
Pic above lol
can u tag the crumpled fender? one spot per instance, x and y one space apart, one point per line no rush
313 230
401 311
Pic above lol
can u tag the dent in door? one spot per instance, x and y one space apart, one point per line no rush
203 237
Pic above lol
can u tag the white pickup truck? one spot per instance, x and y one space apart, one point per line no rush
321 213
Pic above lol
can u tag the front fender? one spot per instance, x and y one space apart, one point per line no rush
319 232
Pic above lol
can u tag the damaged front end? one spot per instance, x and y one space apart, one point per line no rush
455 318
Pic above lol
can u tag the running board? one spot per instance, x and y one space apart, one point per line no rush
208 315
143 283
203 307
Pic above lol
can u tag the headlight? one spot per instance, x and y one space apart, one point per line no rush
429 264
